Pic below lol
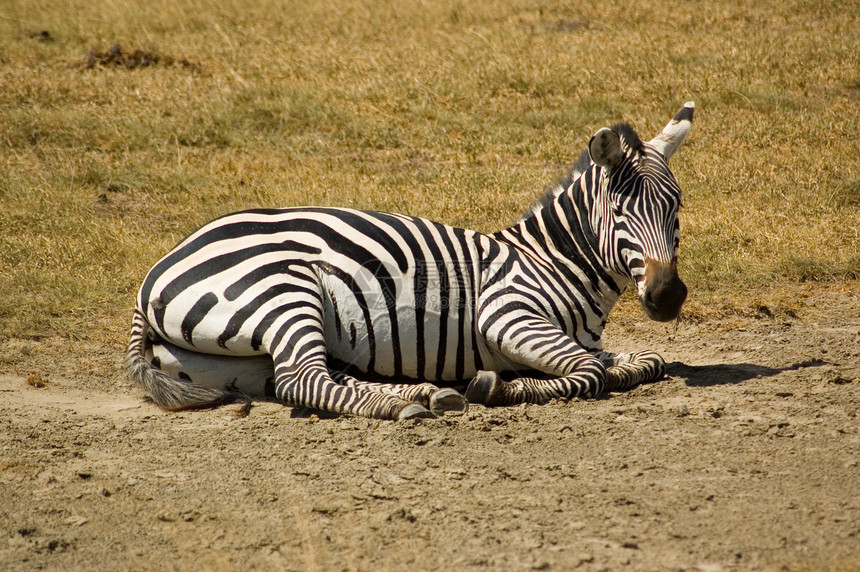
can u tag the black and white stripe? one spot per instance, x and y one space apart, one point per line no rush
300 303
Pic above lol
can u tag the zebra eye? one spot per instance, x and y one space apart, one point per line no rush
617 210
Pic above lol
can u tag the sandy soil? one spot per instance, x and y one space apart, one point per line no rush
746 458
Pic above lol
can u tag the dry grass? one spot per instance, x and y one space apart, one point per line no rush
456 111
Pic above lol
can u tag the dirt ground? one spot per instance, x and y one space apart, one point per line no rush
746 458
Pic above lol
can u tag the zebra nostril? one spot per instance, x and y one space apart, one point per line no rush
648 299
662 299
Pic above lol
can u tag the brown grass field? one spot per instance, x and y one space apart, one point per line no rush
460 112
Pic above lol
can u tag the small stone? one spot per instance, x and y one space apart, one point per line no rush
76 520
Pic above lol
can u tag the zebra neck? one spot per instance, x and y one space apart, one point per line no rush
559 235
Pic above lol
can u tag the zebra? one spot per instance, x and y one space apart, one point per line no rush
391 316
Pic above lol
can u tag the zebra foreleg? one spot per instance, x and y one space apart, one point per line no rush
437 400
488 388
623 371
540 345
629 370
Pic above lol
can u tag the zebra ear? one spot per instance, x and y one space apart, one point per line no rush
605 148
668 141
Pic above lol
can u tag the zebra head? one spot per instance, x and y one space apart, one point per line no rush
635 211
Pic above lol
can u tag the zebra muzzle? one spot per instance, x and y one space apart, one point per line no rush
664 292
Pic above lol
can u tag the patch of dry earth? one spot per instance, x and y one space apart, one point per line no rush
745 458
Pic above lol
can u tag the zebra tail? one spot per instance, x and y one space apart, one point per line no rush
168 392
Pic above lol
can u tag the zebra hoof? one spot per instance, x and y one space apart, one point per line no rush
448 400
414 411
485 388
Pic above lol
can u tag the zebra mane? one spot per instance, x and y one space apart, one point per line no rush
560 186
628 138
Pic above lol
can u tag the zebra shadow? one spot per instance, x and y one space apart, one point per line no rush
727 374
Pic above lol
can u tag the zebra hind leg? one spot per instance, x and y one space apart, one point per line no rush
447 400
311 385
438 400
295 339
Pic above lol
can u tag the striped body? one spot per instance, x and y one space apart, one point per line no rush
388 307
325 294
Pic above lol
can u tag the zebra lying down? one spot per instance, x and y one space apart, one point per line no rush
382 315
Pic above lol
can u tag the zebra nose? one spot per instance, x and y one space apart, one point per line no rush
664 293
